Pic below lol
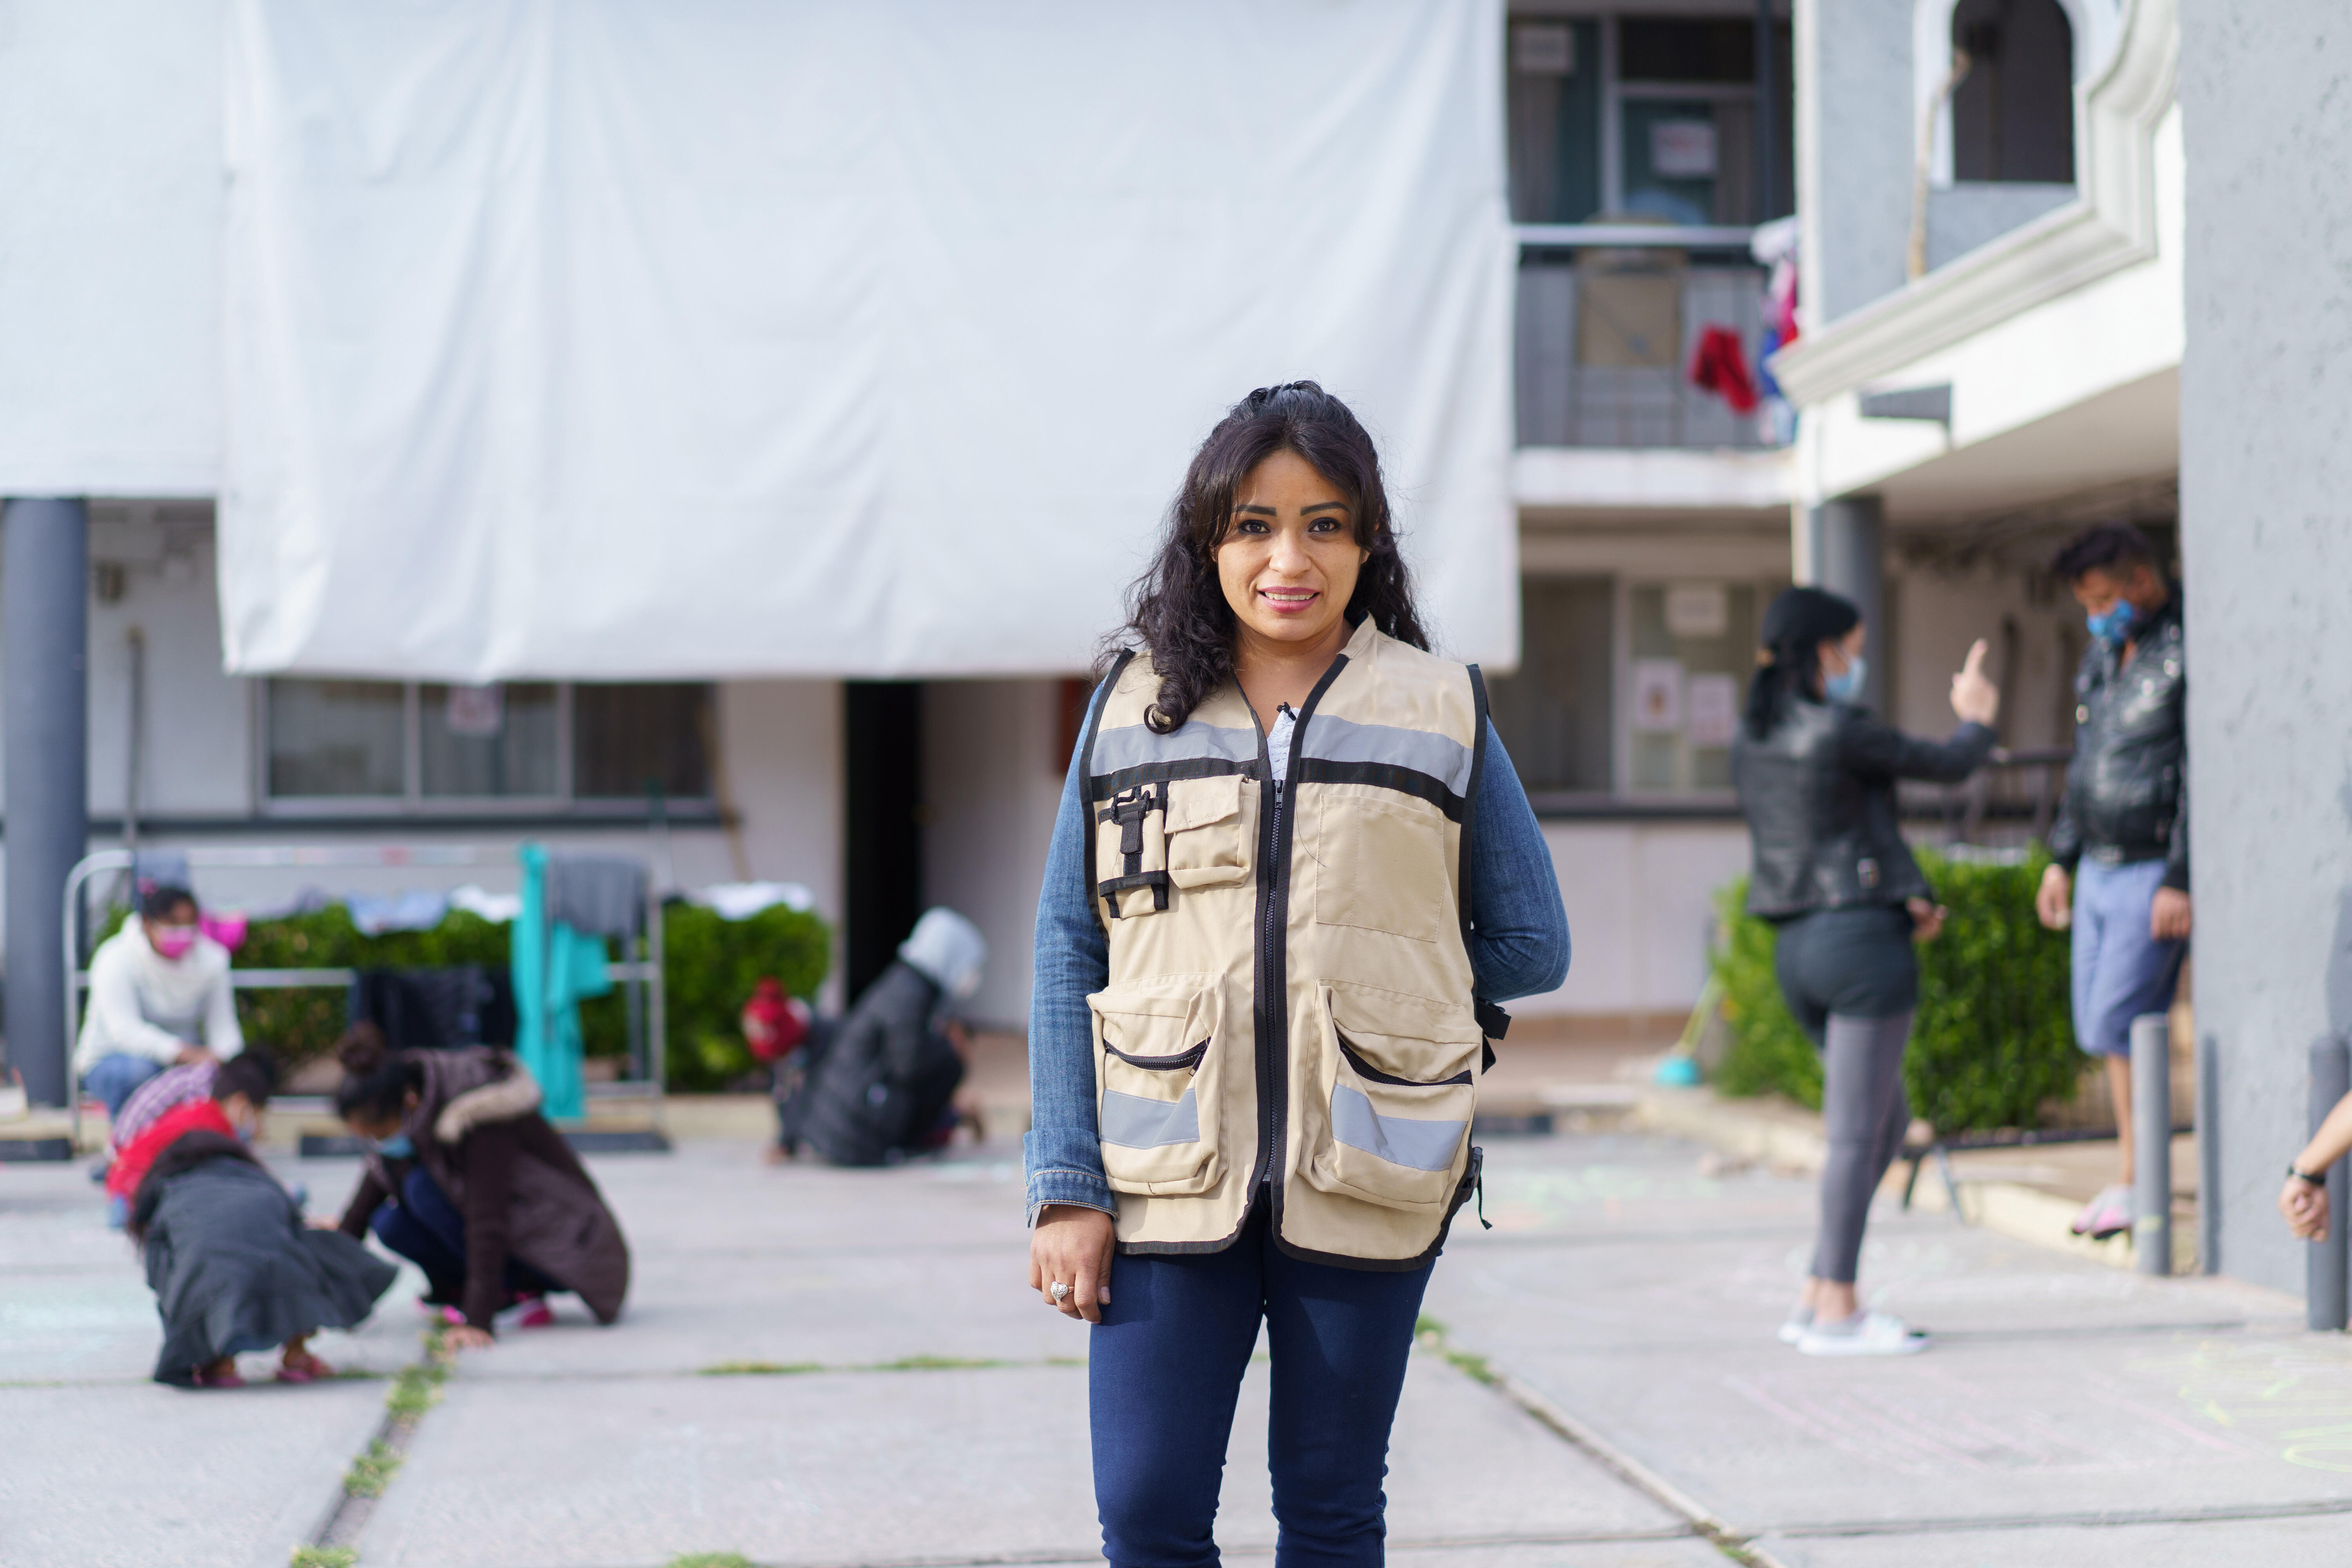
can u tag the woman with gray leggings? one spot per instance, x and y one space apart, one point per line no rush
1816 778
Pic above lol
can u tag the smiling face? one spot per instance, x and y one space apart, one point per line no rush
1289 558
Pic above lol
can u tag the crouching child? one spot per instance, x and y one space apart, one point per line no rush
232 1264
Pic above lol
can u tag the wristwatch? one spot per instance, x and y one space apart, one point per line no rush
2312 1181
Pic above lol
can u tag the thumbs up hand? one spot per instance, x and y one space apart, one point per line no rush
1975 699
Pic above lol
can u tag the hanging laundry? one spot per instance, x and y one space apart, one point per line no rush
1719 366
741 900
601 893
415 908
475 899
555 968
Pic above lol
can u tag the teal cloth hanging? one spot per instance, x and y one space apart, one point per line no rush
555 969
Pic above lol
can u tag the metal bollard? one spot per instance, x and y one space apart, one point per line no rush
2151 1092
2209 1155
2323 1265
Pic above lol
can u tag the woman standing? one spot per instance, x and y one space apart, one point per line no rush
1816 779
1292 873
467 1181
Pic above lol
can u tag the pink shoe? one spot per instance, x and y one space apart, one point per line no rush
534 1313
2109 1214
309 1369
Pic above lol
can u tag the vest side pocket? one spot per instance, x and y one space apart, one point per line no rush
1211 830
1156 1106
1400 1104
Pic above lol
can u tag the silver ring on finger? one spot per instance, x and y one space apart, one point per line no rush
1060 1292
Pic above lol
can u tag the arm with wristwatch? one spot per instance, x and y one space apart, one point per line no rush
2304 1199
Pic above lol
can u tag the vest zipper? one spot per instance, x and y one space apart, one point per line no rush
1271 1012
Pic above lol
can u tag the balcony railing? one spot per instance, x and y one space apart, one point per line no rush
1607 329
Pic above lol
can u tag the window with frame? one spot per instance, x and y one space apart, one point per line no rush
423 746
1690 651
1555 715
1644 117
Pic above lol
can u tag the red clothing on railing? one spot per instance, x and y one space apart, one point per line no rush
1719 366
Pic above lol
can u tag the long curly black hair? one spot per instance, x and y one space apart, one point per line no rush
1177 609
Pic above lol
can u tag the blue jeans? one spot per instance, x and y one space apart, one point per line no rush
424 1227
2120 971
115 1079
1165 1368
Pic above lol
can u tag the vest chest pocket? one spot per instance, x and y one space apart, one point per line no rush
1157 1069
1382 866
1211 830
1401 1102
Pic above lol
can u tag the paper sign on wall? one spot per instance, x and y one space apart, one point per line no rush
1657 694
1682 149
1714 704
477 710
1697 610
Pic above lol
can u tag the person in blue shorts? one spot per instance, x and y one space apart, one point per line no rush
2119 850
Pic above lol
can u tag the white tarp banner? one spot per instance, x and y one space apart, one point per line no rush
646 338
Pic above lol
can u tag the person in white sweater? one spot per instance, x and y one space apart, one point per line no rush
159 995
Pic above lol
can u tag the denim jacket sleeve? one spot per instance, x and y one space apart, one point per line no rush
1518 936
1519 947
1063 1152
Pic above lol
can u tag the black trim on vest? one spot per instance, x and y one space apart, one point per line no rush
1386 775
1271 1006
1103 786
1366 1070
1099 701
1127 811
1493 1022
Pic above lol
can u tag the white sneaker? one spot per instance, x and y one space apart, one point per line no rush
1864 1333
1799 1319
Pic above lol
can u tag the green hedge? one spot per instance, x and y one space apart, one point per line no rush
1993 1041
709 966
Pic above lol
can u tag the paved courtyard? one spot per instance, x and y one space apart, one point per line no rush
823 1367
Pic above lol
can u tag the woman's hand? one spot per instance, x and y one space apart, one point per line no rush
1926 919
2305 1209
2053 900
1976 699
1072 1245
466 1337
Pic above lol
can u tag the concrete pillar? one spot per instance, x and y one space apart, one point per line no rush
44 629
1847 540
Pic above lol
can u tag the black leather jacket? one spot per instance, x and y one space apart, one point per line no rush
1819 794
2127 788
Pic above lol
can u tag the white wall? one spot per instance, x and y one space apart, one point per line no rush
1937 614
1639 899
993 766
198 747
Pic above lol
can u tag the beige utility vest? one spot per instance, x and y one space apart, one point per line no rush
1289 1000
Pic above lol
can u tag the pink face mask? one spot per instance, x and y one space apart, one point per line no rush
172 942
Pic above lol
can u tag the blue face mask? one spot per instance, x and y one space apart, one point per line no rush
2113 628
1845 687
399 1146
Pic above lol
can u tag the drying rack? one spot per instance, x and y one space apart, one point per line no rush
646 972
